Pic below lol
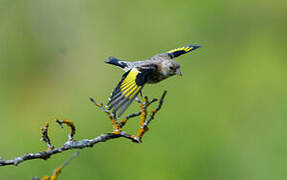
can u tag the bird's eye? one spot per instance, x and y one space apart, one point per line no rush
171 68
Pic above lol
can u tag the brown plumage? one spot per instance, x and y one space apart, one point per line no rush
153 70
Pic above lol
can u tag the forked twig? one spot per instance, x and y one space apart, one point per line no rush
84 143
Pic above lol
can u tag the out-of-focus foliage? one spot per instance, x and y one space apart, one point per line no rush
226 118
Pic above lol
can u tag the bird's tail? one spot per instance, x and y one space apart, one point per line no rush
182 50
117 62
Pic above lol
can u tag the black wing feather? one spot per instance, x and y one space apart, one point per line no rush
128 88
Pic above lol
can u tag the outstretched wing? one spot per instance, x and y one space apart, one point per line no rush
128 88
180 51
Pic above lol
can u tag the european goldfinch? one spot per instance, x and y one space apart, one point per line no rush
139 73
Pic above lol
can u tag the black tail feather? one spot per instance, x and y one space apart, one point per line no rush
116 62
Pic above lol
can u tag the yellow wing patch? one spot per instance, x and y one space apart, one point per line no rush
129 88
185 49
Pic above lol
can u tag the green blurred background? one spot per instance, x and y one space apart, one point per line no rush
225 119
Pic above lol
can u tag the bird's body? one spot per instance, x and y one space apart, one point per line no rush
139 73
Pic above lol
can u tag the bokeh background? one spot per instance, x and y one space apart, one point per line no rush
226 118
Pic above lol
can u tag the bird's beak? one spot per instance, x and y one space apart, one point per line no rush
178 72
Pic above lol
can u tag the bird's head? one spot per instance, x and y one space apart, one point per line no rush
170 68
167 66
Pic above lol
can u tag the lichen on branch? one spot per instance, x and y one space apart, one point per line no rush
117 132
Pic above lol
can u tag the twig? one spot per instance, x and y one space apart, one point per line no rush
116 124
45 136
84 143
67 146
58 170
144 126
125 120
71 125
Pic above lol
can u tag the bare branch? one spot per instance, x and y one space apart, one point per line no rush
84 143
67 146
45 136
124 121
116 124
70 124
144 127
75 154
145 122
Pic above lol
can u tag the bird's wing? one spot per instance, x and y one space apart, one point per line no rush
128 88
180 51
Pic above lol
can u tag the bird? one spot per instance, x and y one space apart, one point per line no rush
138 73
